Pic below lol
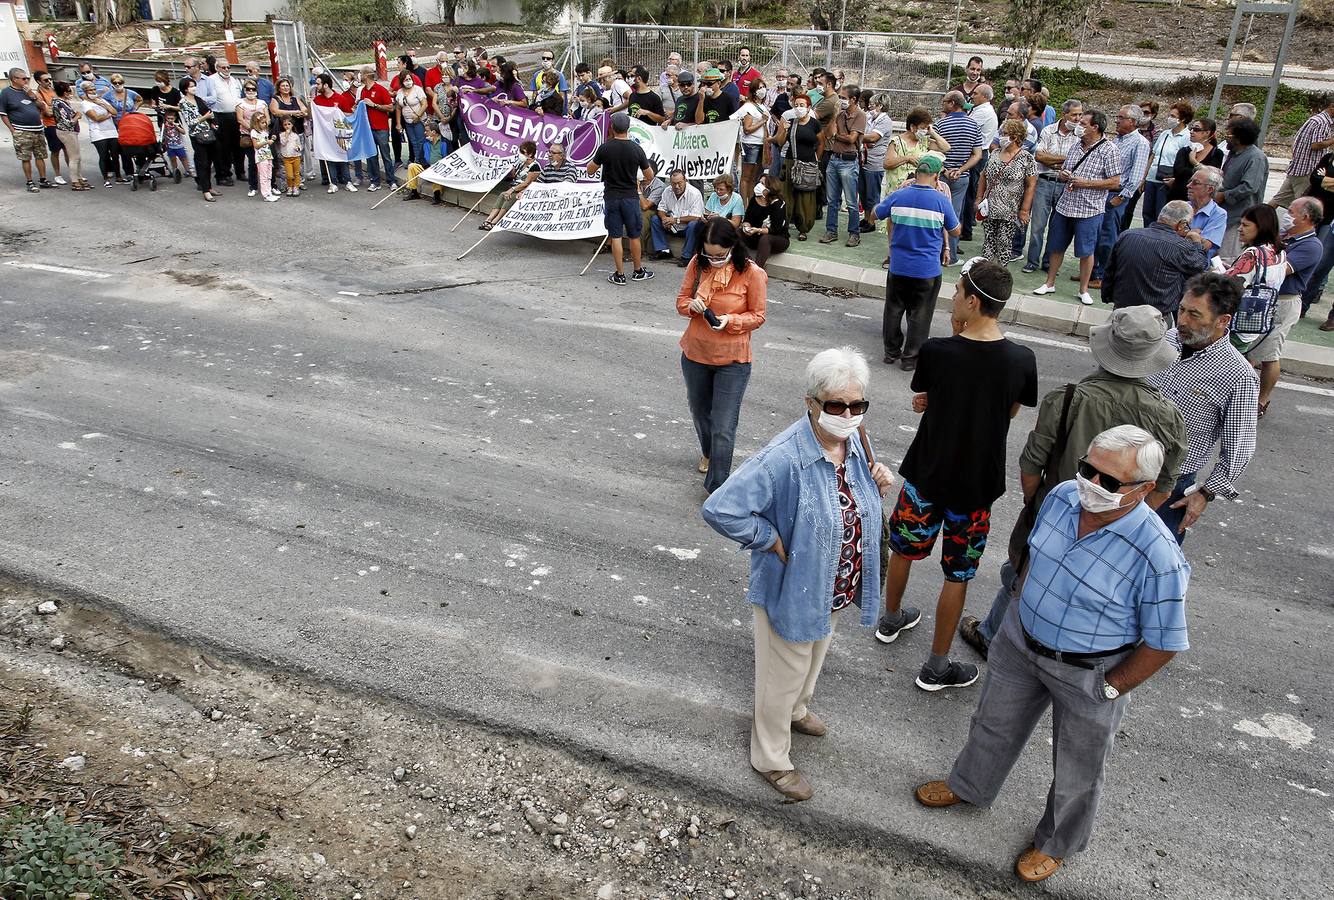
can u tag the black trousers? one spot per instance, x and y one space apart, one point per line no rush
227 155
915 299
203 164
108 157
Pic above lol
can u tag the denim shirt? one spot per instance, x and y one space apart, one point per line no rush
790 489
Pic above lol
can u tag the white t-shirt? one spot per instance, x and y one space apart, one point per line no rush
757 112
99 130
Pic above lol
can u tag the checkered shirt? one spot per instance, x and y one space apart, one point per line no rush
1057 143
1119 584
1103 163
1316 129
1218 394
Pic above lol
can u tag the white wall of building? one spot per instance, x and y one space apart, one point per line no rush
424 10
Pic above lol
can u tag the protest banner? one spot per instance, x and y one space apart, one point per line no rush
467 170
702 152
563 211
499 130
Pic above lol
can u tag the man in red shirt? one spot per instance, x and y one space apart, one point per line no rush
439 73
335 170
745 73
379 104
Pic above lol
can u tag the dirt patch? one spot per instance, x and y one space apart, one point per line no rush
356 798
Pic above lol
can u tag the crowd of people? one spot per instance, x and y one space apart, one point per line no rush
1093 581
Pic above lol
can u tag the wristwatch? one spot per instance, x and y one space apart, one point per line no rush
1208 495
1109 692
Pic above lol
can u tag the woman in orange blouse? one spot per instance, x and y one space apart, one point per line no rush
723 296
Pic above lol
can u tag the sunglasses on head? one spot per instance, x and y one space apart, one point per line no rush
1087 470
838 407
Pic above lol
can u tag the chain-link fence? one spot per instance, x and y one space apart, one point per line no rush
886 62
342 44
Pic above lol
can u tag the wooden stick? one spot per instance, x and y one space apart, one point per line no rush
595 255
474 208
398 187
474 246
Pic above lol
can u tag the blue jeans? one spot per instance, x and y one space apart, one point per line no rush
776 164
374 164
870 181
990 626
968 216
415 132
1044 204
1107 235
338 173
1155 198
658 234
714 394
841 188
1172 517
1315 286
692 233
958 190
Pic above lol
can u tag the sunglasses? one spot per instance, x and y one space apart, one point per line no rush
1087 470
838 407
548 58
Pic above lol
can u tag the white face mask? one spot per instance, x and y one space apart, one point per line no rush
1078 131
803 112
759 190
761 93
1095 498
923 135
841 427
719 263
1173 121
843 103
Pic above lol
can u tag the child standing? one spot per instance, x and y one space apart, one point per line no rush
289 148
173 136
259 136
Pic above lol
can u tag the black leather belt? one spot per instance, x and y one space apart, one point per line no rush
846 157
1082 660
1047 176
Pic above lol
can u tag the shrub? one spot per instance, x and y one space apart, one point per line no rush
49 857
1106 24
1147 44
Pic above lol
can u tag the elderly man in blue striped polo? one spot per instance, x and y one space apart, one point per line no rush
1101 610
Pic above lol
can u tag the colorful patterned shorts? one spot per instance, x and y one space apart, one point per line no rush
916 522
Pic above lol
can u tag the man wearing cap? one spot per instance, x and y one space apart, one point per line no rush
969 386
1102 609
1130 347
714 105
1150 266
624 160
682 113
918 217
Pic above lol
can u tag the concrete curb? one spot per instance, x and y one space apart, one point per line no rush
1024 309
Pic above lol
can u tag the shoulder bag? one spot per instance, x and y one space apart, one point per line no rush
1028 516
805 176
1255 316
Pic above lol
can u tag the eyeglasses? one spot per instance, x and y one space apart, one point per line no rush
838 407
548 58
1087 470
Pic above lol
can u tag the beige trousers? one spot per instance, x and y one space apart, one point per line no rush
785 676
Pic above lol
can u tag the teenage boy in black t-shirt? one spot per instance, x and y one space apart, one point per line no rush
969 387
645 104
621 162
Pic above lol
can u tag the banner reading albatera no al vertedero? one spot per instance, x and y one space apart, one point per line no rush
703 152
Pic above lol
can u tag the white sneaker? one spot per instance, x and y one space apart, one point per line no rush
272 198
333 189
373 188
1085 299
352 188
1045 289
251 192
60 179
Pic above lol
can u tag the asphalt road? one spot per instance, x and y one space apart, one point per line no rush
302 432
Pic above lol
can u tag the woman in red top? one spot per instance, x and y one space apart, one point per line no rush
723 295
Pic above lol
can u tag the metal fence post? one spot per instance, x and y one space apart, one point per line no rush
865 46
829 51
695 65
784 53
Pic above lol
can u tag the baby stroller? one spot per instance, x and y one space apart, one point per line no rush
139 143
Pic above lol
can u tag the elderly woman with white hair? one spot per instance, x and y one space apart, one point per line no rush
808 508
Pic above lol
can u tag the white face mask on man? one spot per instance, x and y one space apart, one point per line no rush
1095 498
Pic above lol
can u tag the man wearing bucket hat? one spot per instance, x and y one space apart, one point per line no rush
1130 347
716 106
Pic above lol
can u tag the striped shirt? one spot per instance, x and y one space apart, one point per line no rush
1218 394
963 136
552 173
1102 163
1119 584
1316 129
917 215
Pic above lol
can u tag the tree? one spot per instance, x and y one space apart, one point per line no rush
1027 22
226 13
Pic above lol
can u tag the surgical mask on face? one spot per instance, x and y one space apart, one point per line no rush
843 103
761 93
760 190
803 112
841 427
1173 121
719 263
967 107
1078 131
923 134
1095 498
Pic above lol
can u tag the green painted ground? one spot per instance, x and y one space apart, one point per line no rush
871 254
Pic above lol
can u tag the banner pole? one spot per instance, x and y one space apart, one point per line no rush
398 187
595 255
474 246
474 208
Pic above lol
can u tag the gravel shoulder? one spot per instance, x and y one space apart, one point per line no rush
361 798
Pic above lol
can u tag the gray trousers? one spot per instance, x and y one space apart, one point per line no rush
1019 687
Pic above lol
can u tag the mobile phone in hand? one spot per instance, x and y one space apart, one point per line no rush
711 317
